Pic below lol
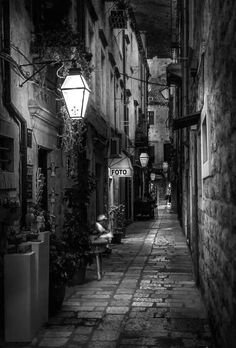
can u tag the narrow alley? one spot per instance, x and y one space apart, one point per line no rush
146 298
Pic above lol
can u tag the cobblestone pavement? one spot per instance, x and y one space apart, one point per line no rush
146 298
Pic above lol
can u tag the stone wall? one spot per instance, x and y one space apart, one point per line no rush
215 34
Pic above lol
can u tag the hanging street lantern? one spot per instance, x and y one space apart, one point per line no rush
165 167
144 159
152 176
76 92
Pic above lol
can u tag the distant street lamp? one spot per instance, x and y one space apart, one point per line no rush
144 158
152 176
76 92
165 167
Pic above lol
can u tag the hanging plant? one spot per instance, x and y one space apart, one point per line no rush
73 134
60 44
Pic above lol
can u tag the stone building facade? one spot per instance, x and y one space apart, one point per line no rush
203 76
158 134
34 166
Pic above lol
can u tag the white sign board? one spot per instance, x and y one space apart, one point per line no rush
120 172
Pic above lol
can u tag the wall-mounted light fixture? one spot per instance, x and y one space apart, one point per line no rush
165 167
152 176
76 92
144 158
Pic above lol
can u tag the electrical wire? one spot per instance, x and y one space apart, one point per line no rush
148 82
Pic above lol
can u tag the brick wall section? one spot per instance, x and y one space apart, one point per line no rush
217 206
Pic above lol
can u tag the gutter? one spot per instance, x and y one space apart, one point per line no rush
13 112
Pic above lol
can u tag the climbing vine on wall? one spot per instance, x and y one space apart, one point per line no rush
73 134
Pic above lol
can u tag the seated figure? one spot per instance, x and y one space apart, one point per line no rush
101 231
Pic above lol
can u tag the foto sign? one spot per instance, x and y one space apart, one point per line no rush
120 172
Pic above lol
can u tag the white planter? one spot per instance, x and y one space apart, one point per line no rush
44 276
41 250
20 297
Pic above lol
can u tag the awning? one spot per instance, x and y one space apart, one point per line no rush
186 121
120 167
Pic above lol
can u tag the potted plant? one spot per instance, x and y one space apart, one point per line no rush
77 242
118 222
76 232
62 265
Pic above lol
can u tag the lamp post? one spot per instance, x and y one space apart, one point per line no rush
76 92
165 167
144 158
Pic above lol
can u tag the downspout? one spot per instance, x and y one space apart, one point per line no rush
124 72
13 112
115 107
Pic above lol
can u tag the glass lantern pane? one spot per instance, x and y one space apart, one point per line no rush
76 102
74 81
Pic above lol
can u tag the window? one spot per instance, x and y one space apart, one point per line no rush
152 154
6 154
126 122
103 79
110 100
167 152
205 147
204 141
91 48
151 117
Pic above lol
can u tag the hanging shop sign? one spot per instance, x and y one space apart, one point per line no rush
120 167
125 172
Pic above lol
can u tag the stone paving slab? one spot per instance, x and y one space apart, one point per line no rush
146 298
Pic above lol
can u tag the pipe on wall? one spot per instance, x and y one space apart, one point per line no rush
13 112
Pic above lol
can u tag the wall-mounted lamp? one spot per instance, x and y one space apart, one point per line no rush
165 167
152 176
144 158
76 92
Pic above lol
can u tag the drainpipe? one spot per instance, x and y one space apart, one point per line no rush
124 71
13 112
